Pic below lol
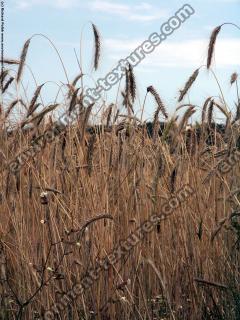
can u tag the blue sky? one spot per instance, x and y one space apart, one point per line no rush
123 26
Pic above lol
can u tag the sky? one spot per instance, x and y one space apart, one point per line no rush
124 25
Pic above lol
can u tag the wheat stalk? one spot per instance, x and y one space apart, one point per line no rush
210 113
22 59
132 83
10 61
158 100
188 113
204 109
32 106
211 45
7 84
97 46
188 85
234 78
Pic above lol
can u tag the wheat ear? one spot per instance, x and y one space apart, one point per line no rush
188 85
97 46
157 98
22 59
211 45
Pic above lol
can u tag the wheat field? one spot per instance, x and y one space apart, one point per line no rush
91 186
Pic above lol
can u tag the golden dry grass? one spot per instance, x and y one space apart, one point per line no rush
74 202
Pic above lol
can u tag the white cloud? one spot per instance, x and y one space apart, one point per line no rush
140 12
122 46
144 6
190 53
23 4
109 7
227 1
61 4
